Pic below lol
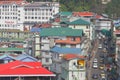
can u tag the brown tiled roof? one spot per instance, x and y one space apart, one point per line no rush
72 56
44 25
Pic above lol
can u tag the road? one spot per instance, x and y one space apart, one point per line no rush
95 54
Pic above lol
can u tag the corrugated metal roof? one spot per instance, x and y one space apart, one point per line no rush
65 13
26 58
35 29
18 68
11 49
72 56
79 22
66 50
61 32
6 57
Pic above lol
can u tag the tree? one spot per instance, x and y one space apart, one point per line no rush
113 9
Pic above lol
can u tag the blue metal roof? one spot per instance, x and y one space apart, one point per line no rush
35 29
6 57
66 50
25 57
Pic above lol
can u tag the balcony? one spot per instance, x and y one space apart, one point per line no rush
67 41
56 60
45 41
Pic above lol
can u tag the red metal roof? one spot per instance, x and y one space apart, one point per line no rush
18 68
83 14
98 16
19 2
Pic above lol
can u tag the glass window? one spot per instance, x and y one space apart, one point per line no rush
47 59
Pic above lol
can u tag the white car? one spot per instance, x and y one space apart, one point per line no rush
100 46
95 60
95 65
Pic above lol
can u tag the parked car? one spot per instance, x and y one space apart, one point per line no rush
95 65
101 67
100 46
103 79
102 75
104 50
95 76
101 55
102 60
95 60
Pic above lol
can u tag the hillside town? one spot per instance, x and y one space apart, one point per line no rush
40 42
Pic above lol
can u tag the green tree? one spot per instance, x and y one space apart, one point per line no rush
63 8
113 9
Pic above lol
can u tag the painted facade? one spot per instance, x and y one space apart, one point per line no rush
103 24
19 14
79 23
73 68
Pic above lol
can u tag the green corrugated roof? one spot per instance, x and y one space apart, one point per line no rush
11 49
106 32
79 22
65 13
61 32
64 19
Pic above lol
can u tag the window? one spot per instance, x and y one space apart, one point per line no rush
73 39
32 9
87 27
25 9
32 18
46 17
35 17
47 59
62 45
73 45
42 17
47 53
25 17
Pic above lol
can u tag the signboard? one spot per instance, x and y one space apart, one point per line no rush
9 22
81 63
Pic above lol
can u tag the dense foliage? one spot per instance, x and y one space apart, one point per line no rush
112 8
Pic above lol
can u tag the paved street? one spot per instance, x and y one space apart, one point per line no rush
93 54
96 52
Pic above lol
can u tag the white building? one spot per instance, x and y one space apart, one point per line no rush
73 67
19 14
103 24
87 27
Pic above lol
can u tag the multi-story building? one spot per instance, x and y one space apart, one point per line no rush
61 37
73 67
103 24
15 35
19 14
57 55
